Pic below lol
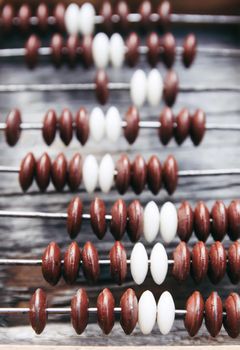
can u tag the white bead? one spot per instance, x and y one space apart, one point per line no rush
158 263
106 173
147 310
86 19
113 124
90 173
138 87
165 313
117 50
154 87
97 124
100 50
139 263
168 222
151 221
71 18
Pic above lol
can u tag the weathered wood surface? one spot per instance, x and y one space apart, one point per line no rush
28 238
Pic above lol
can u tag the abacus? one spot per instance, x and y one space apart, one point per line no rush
119 174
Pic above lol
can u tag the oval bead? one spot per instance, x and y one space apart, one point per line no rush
139 174
135 221
59 172
138 88
118 262
27 171
74 177
101 85
217 262
185 221
168 222
194 313
100 50
132 124
119 219
171 86
106 173
105 310
129 311
97 124
113 125
98 219
147 310
154 87
213 314
165 313
139 263
74 218
233 266
170 174
199 266
37 311
201 221
13 130
49 126
43 172
122 178
71 18
86 19
151 221
234 220
51 264
90 173
82 125
90 262
79 310
231 321
116 50
181 266
158 263
198 126
219 224
154 174
71 263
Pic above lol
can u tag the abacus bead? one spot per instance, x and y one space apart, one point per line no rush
57 45
194 313
90 173
7 16
116 50
219 224
234 220
139 263
13 127
198 126
71 263
49 126
122 10
71 18
164 11
24 15
201 221
119 219
59 15
165 313
166 129
217 262
154 174
59 172
101 50
132 124
74 217
182 129
185 221
213 314
233 266
200 260
86 46
138 87
105 310
113 124
147 310
106 173
168 222
170 87
98 219
122 178
101 83
97 124
158 258
66 126
74 177
129 311
231 321
43 172
106 12
151 221
90 262
82 125
181 266
154 87
139 174
27 171
189 50
118 262
152 43
37 311
168 45
170 174
79 310
132 45
51 263
135 221
145 10
86 19
31 50
72 46
42 15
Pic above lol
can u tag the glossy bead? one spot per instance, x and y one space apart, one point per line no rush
100 50
42 14
213 314
145 10
152 44
13 127
119 219
154 87
164 11
98 219
231 321
139 263
113 124
116 50
170 87
49 126
234 220
132 53
74 217
200 260
57 45
86 19
105 310
43 172
151 221
37 311
132 120
185 221
82 125
170 174
154 174
158 263
168 45
183 123
118 262
97 124
86 47
129 311
168 222
166 129
165 313
181 266
106 173
51 264
122 10
79 310
101 83
198 126
217 262
122 178
201 221
24 15
147 310
194 313
139 174
90 173
189 50
71 263
72 46
106 12
74 175
59 172
27 171
59 15
219 224
90 262
7 16
233 266
135 221
71 18
31 51
66 126
138 87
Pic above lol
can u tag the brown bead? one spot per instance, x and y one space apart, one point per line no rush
168 46
119 219
233 266
170 87
86 46
129 311
43 172
72 46
98 219
51 264
234 220
105 310
106 12
219 224
154 174
75 172
170 174
71 263
59 172
57 49
181 266
145 10
166 129
7 16
90 262
198 126
101 82
31 50
37 311
122 178
231 321
118 262
132 53
122 10
132 124
217 262
135 221
164 11
66 126
79 310
74 218
201 221
82 125
42 16
27 171
24 15
194 313
199 266
59 14
153 45
183 123
185 221
49 126
213 314
13 127
189 50
139 174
